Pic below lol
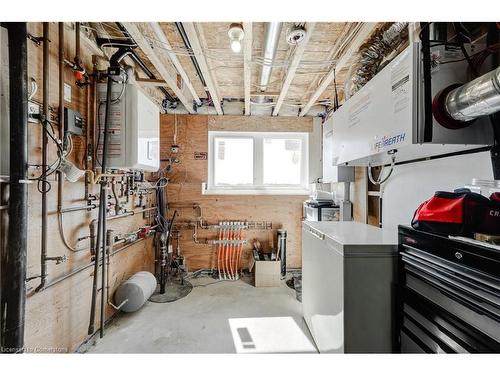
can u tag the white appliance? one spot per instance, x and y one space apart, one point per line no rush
388 114
320 211
348 271
134 139
331 171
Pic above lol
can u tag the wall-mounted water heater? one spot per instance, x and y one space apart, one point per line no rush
134 128
388 113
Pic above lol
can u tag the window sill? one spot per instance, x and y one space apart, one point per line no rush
219 191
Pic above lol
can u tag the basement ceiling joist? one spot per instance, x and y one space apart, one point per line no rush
365 30
302 78
162 38
143 44
290 74
247 67
200 57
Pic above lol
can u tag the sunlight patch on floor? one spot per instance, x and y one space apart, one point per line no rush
269 335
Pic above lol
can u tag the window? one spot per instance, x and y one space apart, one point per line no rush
257 163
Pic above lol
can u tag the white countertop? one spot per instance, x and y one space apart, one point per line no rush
354 233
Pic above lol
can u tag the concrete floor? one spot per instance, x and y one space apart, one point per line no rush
200 322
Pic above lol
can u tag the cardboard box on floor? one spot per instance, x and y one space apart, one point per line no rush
267 273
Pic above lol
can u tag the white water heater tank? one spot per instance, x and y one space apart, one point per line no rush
134 129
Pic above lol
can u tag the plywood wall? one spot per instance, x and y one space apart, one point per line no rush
57 318
187 176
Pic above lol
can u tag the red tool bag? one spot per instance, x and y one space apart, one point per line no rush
458 213
491 219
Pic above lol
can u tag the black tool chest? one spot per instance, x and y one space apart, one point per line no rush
448 298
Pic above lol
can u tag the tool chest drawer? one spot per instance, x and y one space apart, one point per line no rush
447 303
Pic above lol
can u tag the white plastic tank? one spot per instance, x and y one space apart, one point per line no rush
136 291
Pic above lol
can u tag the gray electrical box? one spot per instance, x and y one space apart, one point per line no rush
73 122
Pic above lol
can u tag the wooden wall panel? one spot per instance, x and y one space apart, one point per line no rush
359 199
57 318
185 187
259 124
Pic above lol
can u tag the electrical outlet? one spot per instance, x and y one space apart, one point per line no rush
33 112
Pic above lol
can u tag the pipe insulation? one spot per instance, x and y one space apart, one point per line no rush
477 98
134 292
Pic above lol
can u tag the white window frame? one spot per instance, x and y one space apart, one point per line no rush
258 187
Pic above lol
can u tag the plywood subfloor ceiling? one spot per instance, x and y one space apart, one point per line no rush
301 81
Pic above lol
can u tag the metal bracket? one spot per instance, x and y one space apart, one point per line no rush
36 39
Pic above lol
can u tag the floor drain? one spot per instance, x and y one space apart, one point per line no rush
174 290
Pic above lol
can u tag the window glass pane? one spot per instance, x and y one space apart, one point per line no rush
282 161
233 161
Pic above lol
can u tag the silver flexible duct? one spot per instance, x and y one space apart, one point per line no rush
368 59
271 40
477 98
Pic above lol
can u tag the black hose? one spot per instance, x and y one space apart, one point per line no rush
13 256
102 210
143 66
187 44
426 60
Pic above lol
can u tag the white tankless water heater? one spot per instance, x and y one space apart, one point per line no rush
134 138
388 114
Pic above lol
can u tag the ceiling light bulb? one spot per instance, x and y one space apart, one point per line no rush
236 35
235 46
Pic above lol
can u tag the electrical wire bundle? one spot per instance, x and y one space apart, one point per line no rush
43 185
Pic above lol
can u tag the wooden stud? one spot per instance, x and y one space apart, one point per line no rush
364 32
297 56
175 61
144 45
247 64
194 39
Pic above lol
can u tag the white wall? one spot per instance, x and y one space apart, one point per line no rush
411 184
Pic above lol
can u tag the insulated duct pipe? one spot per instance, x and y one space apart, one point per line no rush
477 98
369 58
458 106
13 256
271 40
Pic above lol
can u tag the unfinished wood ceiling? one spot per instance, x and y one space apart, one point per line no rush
301 78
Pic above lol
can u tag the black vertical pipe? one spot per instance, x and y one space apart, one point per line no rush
77 43
45 110
60 176
282 251
13 256
102 213
426 67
